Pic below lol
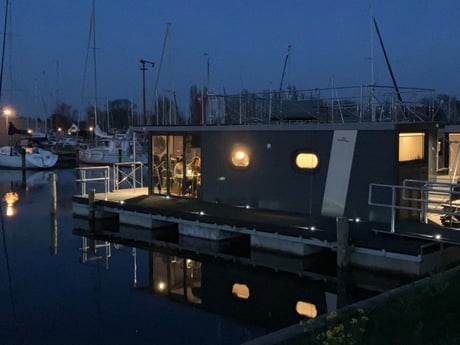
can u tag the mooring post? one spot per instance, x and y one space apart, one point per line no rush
52 178
23 164
342 242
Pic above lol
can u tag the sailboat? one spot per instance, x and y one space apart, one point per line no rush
111 149
28 153
107 148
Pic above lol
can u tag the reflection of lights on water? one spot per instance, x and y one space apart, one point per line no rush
161 286
307 309
10 198
240 290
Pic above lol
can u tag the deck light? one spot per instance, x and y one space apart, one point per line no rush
122 202
437 236
201 213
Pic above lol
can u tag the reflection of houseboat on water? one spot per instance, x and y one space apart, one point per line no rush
224 284
370 190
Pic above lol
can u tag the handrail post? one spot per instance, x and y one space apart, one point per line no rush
393 208
425 198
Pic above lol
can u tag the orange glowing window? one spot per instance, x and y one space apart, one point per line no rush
240 158
240 290
411 146
306 160
306 309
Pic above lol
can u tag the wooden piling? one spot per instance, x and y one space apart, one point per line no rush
23 164
52 178
342 242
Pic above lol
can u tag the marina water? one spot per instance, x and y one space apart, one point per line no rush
60 287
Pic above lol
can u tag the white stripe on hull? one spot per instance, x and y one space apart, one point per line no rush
338 173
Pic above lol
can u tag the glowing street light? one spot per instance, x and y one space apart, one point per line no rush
7 112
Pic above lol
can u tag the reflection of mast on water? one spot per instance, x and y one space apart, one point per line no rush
53 215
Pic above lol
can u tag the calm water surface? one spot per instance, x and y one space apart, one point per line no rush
59 287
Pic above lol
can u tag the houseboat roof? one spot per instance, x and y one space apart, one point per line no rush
377 126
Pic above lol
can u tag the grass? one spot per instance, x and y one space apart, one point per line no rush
426 312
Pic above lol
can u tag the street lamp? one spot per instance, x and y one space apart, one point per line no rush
143 69
7 112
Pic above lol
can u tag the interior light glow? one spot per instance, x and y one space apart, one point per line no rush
411 146
306 309
240 158
240 290
306 160
161 286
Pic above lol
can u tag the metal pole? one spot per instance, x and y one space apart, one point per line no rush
393 209
143 69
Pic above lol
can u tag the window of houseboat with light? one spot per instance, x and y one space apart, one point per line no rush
306 160
411 146
240 158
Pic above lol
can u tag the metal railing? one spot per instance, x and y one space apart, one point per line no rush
426 190
92 175
133 177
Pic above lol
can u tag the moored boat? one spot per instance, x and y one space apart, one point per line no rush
27 153
111 149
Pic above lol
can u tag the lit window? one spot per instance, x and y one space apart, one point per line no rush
240 158
304 160
411 146
306 309
240 290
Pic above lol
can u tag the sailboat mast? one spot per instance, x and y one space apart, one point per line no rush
165 42
372 68
388 62
3 46
93 32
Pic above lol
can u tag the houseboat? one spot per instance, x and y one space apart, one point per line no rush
380 191
314 169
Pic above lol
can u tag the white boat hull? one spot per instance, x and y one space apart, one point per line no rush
36 158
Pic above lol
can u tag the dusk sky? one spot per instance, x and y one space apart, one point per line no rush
246 42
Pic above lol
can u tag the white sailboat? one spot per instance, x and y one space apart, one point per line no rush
111 149
35 156
107 148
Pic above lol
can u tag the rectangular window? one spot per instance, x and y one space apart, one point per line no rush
411 146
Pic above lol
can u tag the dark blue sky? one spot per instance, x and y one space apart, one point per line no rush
246 42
